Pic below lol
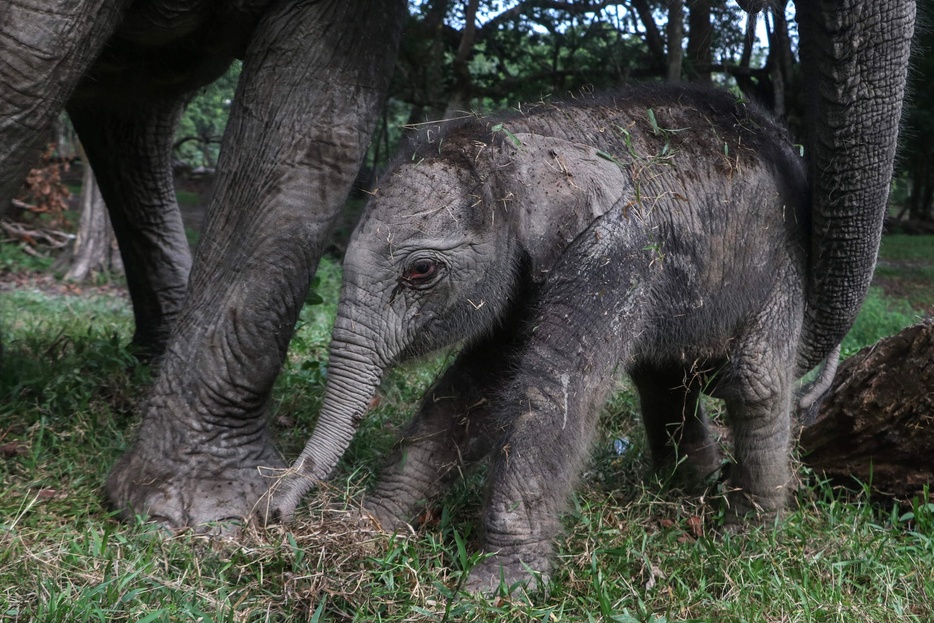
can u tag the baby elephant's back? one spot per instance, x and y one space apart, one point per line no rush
717 212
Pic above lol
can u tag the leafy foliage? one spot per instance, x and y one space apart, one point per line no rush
521 50
198 137
44 195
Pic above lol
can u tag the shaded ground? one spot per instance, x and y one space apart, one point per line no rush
906 270
912 281
194 193
49 284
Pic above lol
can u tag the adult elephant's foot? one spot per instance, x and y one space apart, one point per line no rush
179 477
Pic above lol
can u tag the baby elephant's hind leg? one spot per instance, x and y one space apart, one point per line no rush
757 391
675 424
761 422
450 430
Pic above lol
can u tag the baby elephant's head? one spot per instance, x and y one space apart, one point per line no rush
431 263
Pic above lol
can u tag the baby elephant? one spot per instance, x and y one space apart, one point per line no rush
660 231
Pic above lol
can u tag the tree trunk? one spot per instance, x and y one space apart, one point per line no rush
928 202
877 425
700 33
781 60
459 99
674 31
743 77
653 38
95 248
919 188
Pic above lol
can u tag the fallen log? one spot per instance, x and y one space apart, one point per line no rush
877 424
44 236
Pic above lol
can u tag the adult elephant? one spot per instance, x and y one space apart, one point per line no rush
314 76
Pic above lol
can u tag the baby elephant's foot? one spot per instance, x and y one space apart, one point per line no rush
389 516
745 511
693 471
507 573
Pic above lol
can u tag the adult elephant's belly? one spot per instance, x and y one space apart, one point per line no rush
165 51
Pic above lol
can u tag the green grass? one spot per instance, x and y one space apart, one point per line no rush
902 294
901 247
14 257
632 551
879 317
906 269
187 197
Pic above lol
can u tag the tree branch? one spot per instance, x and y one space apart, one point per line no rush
653 38
572 8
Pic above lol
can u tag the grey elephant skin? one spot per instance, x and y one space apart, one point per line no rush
660 231
313 75
562 245
313 79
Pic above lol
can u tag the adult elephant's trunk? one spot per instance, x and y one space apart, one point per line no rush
855 61
355 369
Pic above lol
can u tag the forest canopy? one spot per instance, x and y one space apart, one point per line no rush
465 56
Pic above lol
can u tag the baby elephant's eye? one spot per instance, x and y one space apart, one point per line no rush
422 269
421 272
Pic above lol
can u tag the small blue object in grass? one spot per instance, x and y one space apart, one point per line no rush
620 446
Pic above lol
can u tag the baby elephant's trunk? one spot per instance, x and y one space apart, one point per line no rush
354 374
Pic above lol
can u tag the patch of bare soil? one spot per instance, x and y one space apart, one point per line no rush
48 284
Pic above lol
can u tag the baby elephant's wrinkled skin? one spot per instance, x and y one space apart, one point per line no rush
663 232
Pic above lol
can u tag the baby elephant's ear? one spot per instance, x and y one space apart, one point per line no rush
563 186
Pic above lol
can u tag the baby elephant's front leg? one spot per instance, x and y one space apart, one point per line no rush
589 314
451 429
550 414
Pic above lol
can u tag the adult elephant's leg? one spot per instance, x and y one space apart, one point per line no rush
451 430
45 47
129 145
675 423
312 82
